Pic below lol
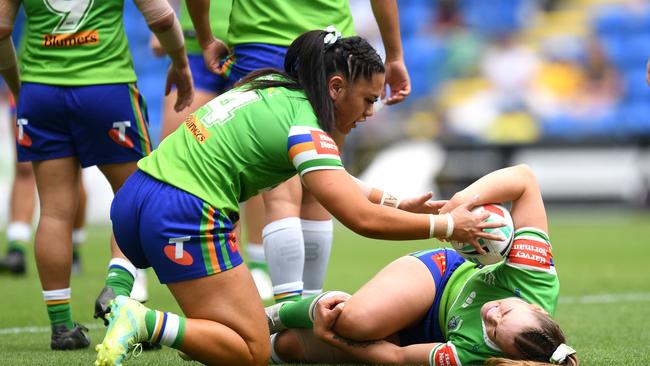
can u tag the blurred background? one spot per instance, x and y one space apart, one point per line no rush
557 84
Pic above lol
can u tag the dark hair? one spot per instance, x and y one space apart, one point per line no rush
309 64
536 345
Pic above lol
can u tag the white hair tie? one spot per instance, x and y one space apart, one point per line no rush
332 36
561 353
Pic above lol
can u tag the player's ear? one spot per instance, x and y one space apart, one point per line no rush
335 86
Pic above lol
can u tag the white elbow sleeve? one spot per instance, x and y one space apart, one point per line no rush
154 10
8 58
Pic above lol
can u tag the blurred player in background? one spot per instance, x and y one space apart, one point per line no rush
435 308
179 212
78 106
297 235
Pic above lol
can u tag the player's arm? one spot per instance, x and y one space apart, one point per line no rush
372 352
162 21
339 194
8 63
516 184
420 204
213 48
397 78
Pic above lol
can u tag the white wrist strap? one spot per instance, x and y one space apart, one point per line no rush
450 226
389 200
432 226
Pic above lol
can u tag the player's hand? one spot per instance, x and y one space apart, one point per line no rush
647 75
155 46
397 79
326 313
455 201
182 78
421 204
213 53
469 226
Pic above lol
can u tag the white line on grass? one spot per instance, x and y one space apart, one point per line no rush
585 299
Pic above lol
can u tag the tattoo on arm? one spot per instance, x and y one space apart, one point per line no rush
357 344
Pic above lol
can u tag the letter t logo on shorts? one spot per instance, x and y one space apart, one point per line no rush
176 253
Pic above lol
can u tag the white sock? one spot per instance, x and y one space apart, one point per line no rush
19 231
255 252
318 245
285 255
122 263
78 236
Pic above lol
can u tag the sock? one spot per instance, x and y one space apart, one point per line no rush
120 277
256 258
285 254
165 328
18 235
58 307
295 314
78 238
318 245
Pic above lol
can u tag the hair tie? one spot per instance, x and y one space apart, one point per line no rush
331 37
561 353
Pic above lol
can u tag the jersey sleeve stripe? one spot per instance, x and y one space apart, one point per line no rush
299 148
319 164
298 139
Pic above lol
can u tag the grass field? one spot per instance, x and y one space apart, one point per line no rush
602 259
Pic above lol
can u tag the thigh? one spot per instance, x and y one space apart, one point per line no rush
58 182
284 200
41 130
396 298
229 298
109 123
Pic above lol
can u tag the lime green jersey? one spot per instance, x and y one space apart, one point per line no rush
75 42
240 143
527 273
219 15
279 22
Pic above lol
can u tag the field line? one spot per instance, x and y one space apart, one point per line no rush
584 299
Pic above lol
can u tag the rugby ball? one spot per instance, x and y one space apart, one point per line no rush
496 251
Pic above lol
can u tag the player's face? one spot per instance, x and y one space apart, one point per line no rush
504 319
354 102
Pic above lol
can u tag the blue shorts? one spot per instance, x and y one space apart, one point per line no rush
204 79
247 58
178 234
441 263
100 124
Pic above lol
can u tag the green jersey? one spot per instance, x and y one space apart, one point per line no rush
219 14
528 273
279 22
240 143
75 42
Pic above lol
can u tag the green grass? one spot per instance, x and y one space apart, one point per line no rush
594 254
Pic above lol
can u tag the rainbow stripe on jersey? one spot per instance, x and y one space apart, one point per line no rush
312 149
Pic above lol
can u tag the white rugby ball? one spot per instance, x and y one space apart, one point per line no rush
495 250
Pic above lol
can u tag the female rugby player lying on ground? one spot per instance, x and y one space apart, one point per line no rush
433 307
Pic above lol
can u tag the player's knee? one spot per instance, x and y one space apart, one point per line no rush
287 347
260 351
24 171
356 323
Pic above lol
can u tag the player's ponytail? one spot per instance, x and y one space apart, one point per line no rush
311 61
540 346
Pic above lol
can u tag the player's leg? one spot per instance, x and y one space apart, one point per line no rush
58 188
317 231
44 137
78 230
284 246
254 214
21 212
302 346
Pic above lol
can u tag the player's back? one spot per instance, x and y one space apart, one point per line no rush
80 42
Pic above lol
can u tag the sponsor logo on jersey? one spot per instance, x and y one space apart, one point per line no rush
83 38
324 143
445 355
530 253
196 128
469 300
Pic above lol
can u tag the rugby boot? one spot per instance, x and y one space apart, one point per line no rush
67 339
102 303
126 331
14 262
